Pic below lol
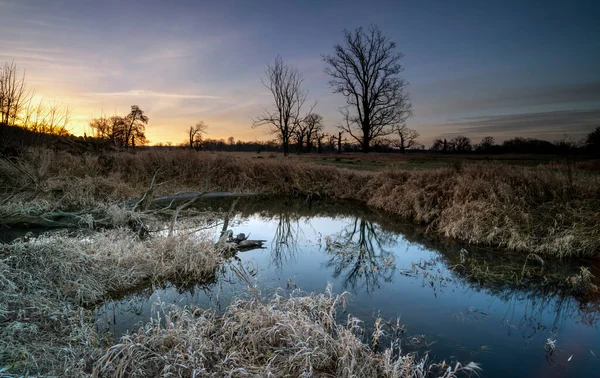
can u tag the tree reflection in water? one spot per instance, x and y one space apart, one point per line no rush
284 247
359 254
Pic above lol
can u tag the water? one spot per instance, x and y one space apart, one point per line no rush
391 270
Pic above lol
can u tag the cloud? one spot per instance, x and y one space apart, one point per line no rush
544 125
145 93
467 95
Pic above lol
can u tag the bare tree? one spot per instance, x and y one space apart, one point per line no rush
112 129
461 143
313 124
14 94
408 137
366 71
39 118
195 134
486 144
285 84
136 122
592 141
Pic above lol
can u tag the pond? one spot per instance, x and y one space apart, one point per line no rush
515 315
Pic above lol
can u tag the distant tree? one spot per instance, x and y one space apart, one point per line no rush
195 134
592 141
366 71
285 84
384 144
311 124
408 137
319 136
438 145
461 144
110 128
231 140
136 122
14 93
486 144
299 134
528 145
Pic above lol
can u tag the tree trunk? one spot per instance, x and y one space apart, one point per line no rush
366 144
402 149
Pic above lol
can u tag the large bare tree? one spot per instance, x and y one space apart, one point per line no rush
365 69
285 84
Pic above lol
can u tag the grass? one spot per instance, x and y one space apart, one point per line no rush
547 210
47 285
284 337
417 160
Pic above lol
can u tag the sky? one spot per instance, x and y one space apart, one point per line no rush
476 68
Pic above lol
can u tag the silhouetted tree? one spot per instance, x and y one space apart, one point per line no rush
40 118
311 124
195 134
366 71
438 145
528 145
110 128
592 141
408 137
285 84
13 93
136 122
486 144
299 134
461 144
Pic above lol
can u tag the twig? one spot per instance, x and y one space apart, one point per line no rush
146 199
181 207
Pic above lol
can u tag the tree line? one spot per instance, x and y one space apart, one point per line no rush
488 145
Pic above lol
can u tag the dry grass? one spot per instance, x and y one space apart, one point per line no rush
284 337
47 284
544 210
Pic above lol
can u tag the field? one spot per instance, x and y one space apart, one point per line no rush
417 160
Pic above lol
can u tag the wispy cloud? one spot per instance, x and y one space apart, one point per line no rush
145 93
545 125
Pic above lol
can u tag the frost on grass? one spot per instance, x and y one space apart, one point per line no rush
48 283
296 336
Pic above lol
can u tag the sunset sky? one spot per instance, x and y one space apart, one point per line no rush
500 68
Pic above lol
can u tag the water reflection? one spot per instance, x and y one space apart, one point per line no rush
284 245
361 254
475 303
